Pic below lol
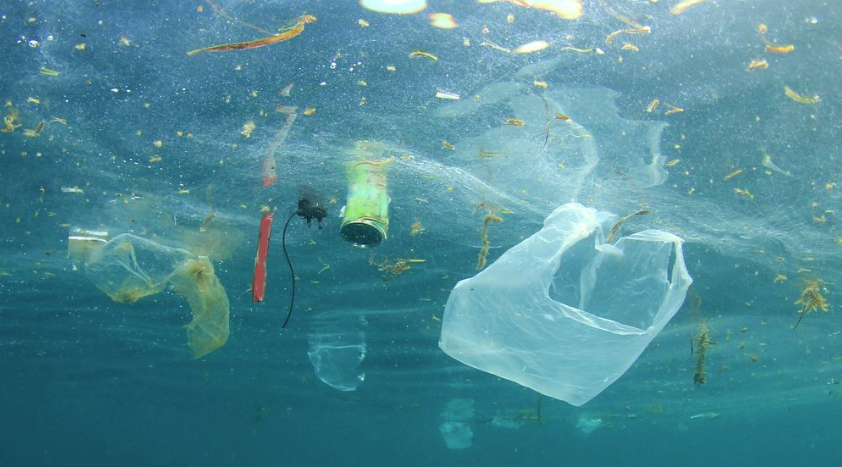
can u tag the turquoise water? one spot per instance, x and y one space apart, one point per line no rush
139 138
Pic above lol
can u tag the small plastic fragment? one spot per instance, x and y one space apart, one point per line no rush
442 94
767 162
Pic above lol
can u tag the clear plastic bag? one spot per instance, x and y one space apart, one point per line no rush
128 268
563 312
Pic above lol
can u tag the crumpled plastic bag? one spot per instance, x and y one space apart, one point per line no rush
194 279
128 268
563 312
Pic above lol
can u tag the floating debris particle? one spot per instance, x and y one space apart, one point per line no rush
443 21
483 253
286 90
287 34
530 47
744 192
417 228
248 127
780 49
761 64
72 189
767 162
397 7
733 174
811 300
442 94
799 98
564 9
702 344
684 5
48 72
419 54
610 38
673 109
704 415
495 46
577 50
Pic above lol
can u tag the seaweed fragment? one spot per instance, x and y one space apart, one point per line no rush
811 300
702 343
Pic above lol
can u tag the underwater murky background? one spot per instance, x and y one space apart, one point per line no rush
110 127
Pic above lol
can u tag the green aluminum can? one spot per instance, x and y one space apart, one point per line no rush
366 218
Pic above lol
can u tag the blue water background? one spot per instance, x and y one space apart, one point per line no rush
87 381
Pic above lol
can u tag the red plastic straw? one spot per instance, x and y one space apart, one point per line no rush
258 287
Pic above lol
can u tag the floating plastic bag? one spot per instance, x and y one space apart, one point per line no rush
456 429
128 268
194 279
336 359
563 312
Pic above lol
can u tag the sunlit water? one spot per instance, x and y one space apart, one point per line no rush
136 131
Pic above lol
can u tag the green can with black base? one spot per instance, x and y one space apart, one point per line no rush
366 217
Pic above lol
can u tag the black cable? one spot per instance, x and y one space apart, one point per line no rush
291 272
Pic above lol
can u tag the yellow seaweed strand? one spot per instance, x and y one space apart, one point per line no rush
419 53
610 38
799 98
483 253
284 36
679 9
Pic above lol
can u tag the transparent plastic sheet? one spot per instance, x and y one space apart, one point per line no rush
563 312
128 268
337 348
458 415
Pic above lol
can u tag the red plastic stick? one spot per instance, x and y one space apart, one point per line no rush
258 287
